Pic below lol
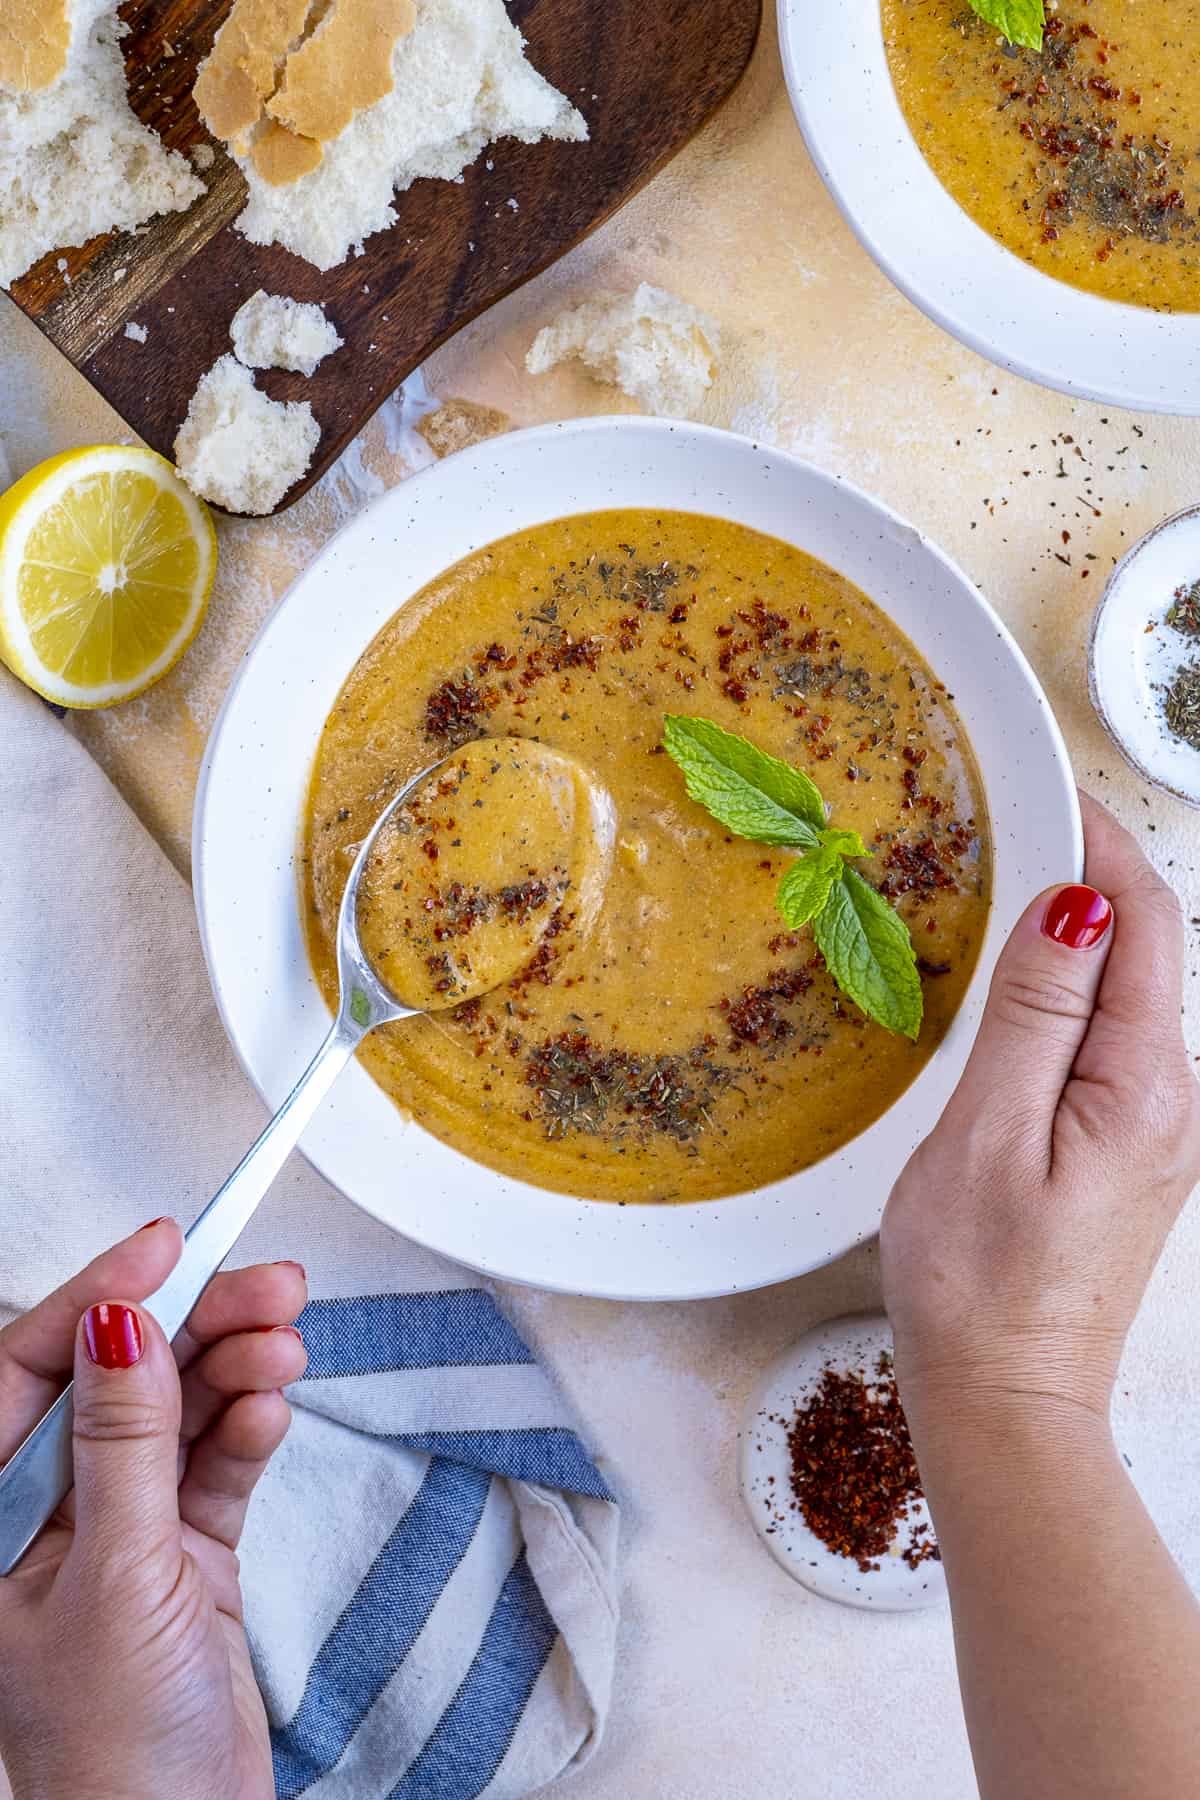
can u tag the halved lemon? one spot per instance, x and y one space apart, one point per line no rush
106 564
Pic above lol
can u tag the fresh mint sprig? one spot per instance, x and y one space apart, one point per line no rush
1020 21
865 943
749 793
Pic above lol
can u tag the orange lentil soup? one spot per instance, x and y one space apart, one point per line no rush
668 1038
1083 158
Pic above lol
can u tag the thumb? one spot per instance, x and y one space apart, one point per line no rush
1038 1009
127 1410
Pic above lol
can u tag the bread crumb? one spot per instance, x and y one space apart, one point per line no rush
458 423
271 331
74 161
654 347
460 81
239 448
120 274
137 332
202 156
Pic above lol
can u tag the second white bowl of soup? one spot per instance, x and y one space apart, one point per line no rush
1041 205
674 1097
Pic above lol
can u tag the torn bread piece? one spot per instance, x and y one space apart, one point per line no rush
271 331
460 80
263 63
456 424
654 347
74 161
238 447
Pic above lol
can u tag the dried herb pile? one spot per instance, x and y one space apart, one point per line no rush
1181 695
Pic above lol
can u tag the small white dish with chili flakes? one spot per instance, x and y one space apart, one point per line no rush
1144 656
828 1475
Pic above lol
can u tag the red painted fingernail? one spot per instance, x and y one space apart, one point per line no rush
151 1223
112 1335
286 1262
1077 917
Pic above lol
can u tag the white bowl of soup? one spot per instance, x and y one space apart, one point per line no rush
1044 207
673 1098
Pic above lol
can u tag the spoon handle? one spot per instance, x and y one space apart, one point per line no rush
221 1224
36 1478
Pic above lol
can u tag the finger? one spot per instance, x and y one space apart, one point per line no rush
250 1362
226 1463
126 1436
36 1350
1038 1010
1138 1009
242 1300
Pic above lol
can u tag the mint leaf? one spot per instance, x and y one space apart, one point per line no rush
846 843
360 1007
866 945
869 953
751 794
804 890
1020 21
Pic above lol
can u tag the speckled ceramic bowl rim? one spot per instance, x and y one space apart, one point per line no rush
1025 321
255 776
1120 742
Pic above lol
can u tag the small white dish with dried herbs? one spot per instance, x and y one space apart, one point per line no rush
1144 656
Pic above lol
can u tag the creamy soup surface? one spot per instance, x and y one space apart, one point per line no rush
1083 158
667 1039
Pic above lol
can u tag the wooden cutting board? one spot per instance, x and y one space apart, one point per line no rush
644 73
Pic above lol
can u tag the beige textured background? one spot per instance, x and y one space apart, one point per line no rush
735 1685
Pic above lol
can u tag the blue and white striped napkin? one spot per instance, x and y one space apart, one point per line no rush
429 1561
452 1632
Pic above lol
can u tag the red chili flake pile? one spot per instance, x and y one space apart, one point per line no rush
926 864
854 1475
754 1017
452 710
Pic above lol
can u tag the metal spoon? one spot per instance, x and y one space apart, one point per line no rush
36 1478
